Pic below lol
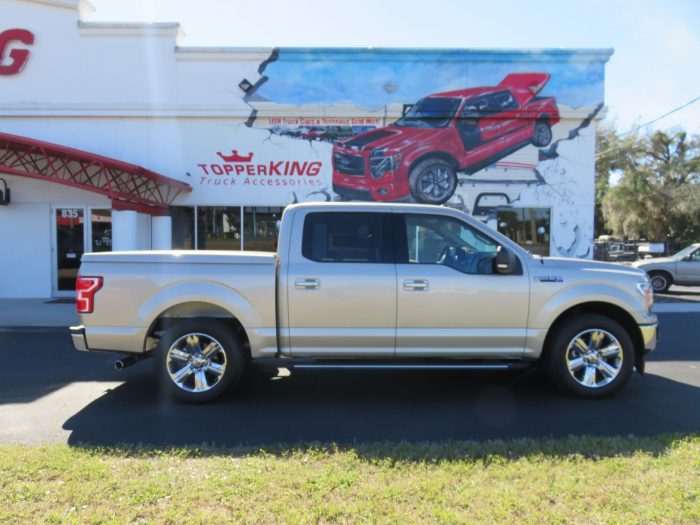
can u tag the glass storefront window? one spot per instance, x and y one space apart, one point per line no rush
529 227
261 227
101 229
182 227
218 228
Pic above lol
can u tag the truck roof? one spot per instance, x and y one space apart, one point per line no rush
372 206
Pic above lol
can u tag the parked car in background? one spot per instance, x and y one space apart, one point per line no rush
443 134
368 286
682 268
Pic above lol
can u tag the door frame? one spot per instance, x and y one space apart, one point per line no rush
87 241
55 292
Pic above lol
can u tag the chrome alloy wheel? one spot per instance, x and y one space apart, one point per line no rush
435 182
196 362
594 358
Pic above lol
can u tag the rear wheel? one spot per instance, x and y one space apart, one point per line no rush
660 281
432 181
590 356
198 360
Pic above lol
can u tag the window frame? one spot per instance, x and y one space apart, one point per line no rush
387 249
401 243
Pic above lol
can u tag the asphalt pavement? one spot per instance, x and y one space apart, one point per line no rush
52 393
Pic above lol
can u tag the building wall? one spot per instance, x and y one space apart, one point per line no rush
132 92
26 231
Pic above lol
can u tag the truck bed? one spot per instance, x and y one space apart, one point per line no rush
141 286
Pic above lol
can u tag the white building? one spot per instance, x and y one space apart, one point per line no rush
116 136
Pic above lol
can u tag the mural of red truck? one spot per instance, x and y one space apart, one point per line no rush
441 135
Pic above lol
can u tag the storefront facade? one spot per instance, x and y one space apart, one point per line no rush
115 136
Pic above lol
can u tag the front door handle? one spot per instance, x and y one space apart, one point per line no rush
307 284
415 284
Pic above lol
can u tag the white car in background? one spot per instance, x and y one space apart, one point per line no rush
682 268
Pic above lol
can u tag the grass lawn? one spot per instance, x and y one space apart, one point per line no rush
575 480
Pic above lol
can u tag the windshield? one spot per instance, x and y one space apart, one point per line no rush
431 112
685 251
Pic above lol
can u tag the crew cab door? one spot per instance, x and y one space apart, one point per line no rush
341 285
688 269
450 301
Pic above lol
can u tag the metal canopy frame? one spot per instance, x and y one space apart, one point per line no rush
130 187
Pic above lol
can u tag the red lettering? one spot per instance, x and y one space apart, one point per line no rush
250 169
314 169
262 169
204 168
299 168
275 168
18 57
216 169
228 168
239 169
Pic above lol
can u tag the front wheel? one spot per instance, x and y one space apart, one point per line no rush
432 181
660 281
542 134
198 360
590 356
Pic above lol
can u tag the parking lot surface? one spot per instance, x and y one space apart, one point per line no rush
52 393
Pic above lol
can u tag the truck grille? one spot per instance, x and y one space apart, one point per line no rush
348 164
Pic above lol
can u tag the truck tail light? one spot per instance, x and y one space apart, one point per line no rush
85 289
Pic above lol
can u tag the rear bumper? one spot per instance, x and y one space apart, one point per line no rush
77 333
650 336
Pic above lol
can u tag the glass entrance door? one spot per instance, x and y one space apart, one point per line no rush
77 229
70 245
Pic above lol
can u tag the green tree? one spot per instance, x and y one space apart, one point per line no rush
658 194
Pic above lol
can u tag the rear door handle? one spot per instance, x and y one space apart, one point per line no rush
307 284
415 284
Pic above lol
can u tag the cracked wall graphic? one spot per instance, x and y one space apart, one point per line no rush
507 137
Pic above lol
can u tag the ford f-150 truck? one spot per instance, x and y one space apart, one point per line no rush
442 134
367 285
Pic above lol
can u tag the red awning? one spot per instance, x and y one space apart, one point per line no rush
130 187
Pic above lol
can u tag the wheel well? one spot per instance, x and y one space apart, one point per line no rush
665 272
544 118
606 309
194 310
435 155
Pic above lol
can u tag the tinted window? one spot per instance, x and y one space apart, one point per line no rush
346 237
431 112
432 239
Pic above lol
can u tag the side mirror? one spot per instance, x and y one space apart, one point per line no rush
506 261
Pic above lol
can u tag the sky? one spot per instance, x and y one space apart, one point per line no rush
655 67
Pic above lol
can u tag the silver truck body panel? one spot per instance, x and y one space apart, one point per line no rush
291 306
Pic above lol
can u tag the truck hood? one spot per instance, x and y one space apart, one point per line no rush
554 263
655 261
391 137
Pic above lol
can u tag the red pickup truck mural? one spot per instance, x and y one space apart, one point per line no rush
443 134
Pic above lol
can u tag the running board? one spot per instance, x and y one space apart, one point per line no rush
409 366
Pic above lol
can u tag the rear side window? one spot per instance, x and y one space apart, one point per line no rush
339 237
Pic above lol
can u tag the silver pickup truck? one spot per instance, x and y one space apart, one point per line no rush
367 286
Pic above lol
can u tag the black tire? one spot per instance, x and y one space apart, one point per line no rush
660 281
227 351
562 351
432 181
542 134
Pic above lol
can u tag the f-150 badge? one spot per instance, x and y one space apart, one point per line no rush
549 279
